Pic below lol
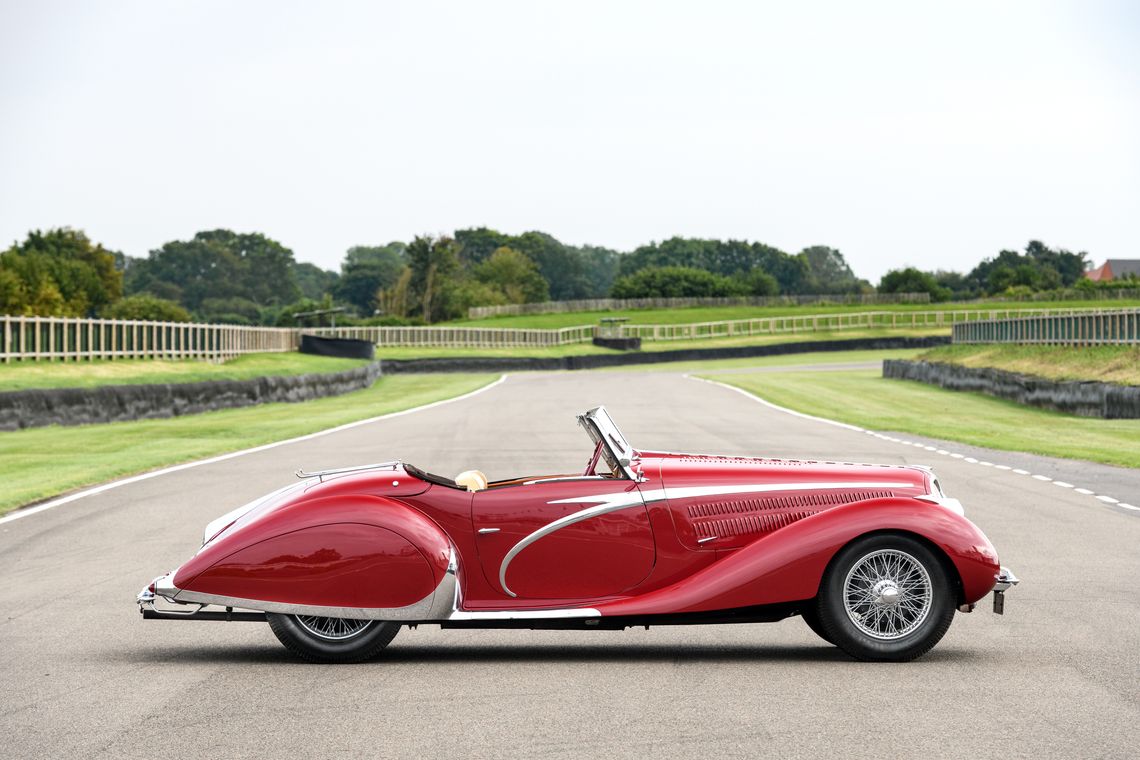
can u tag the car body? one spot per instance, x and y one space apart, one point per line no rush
874 557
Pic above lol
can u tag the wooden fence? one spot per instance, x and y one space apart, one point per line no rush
823 322
461 337
1075 329
71 338
39 338
618 304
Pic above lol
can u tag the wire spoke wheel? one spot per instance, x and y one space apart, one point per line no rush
332 629
887 594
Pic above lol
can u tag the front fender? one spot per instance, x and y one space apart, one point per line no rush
788 564
353 552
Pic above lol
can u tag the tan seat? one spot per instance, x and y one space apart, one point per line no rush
472 480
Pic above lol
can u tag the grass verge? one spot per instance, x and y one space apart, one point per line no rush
89 374
39 463
720 313
864 398
1109 364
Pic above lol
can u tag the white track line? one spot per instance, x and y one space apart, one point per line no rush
971 460
234 454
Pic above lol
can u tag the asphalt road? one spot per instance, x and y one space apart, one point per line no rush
84 676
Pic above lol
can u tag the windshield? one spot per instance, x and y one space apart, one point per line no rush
616 451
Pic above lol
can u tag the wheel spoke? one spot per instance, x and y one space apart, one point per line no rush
888 594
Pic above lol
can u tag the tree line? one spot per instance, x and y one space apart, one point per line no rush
248 278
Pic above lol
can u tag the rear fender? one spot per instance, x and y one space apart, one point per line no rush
788 564
360 552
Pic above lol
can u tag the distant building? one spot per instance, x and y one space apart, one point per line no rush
1114 269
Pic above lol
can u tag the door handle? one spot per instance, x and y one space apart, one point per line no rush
488 530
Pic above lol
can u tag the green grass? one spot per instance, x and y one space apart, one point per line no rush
864 398
580 349
39 463
1110 364
721 313
88 374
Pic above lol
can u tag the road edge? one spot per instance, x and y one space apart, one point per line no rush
21 512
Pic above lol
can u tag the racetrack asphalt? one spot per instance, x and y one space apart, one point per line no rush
83 676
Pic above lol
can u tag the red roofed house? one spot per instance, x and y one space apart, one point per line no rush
1114 269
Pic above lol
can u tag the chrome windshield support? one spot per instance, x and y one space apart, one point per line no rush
321 474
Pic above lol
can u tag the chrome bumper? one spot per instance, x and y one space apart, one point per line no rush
1003 581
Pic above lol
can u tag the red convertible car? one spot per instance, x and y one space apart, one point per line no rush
874 558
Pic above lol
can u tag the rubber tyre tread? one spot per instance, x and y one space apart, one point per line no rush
811 617
845 635
308 647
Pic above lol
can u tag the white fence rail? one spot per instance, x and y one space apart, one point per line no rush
1081 329
461 337
40 338
70 338
827 322
620 304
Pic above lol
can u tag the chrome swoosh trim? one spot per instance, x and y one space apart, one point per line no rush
612 502
439 606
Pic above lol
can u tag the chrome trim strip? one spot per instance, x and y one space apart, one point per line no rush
488 530
441 605
612 502
358 468
563 478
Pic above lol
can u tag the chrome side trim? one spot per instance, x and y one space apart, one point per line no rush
563 478
612 502
577 612
441 605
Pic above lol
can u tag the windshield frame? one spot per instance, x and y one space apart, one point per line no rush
616 451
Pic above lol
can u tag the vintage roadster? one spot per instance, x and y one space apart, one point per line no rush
874 558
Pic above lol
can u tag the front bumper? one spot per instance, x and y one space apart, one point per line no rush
1003 581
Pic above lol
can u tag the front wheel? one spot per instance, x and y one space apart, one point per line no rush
886 598
322 639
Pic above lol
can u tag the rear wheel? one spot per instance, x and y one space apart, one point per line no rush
886 597
324 639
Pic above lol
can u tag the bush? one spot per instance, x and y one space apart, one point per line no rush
677 282
911 280
148 307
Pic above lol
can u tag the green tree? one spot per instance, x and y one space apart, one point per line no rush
757 282
218 264
723 257
912 280
58 272
146 306
435 278
313 281
366 270
828 271
676 282
513 275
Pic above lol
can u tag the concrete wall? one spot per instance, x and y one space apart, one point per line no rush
1087 399
594 361
120 403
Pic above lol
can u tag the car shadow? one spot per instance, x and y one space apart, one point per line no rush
536 653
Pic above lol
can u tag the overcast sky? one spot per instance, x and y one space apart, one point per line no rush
899 133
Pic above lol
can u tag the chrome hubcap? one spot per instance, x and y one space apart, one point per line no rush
887 594
332 629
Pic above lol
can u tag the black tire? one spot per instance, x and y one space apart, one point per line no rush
881 626
301 637
811 617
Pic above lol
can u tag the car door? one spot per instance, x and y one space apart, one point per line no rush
563 538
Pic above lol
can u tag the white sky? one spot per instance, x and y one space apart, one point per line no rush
899 132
